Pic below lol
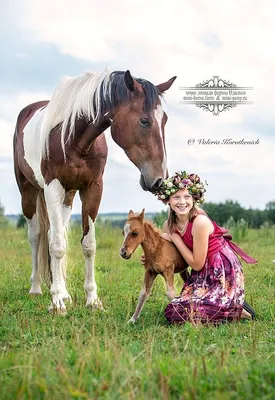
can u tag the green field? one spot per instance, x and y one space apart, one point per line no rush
98 355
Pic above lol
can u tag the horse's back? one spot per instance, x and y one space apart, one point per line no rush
26 144
26 114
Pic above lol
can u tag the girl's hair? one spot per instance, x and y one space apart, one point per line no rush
172 218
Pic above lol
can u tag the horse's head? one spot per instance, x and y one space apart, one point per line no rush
133 232
138 128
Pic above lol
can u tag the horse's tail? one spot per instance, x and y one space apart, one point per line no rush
43 250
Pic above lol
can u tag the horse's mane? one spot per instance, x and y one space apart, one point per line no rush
153 227
89 96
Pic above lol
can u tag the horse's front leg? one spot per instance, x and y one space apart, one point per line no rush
90 203
55 196
149 278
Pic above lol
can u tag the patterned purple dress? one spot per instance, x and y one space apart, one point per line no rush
216 292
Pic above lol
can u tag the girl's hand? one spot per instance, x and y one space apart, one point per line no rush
166 236
142 259
174 237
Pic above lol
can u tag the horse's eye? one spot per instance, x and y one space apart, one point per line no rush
144 122
122 232
134 233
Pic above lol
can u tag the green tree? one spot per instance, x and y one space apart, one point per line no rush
159 218
270 210
3 220
21 222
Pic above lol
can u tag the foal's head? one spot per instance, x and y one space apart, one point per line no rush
138 128
133 234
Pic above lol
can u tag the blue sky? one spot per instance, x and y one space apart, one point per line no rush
42 41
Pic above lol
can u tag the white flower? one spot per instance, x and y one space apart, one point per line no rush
162 196
169 184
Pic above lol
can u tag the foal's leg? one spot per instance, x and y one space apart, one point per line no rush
90 202
29 196
168 275
144 294
55 196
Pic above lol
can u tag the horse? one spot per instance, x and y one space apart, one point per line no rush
60 148
161 256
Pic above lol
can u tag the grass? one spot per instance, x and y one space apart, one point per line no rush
98 355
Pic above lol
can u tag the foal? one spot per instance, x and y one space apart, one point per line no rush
161 256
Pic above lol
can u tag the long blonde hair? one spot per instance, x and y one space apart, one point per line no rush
172 217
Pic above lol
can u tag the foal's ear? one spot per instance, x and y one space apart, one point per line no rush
162 87
141 215
131 214
132 85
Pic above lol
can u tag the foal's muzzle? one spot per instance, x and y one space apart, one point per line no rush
123 253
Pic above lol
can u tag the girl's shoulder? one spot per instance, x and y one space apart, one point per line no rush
203 221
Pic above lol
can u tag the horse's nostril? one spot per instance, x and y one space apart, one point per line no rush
123 253
157 184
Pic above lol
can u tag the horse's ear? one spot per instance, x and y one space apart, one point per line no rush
162 87
132 85
141 215
131 214
129 81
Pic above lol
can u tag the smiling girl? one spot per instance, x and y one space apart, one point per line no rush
214 292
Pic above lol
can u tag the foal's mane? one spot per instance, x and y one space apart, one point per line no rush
89 96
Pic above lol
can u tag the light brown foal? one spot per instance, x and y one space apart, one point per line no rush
161 256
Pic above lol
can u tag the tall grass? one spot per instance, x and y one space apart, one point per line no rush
97 355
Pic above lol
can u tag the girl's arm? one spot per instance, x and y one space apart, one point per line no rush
201 230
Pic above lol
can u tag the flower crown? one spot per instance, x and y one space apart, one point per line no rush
179 181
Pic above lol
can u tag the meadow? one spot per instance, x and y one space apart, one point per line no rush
97 355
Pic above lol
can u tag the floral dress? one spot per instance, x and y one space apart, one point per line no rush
216 292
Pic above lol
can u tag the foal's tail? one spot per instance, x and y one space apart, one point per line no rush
43 250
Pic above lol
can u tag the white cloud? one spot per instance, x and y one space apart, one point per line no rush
156 40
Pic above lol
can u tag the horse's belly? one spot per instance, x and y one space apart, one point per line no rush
32 145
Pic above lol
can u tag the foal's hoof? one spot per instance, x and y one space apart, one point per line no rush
95 305
131 321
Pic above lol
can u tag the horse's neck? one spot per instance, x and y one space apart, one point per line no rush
151 240
85 136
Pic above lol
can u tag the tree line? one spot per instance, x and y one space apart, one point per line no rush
220 212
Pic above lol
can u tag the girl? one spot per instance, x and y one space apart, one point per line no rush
214 292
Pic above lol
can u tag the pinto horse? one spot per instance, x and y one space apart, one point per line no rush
60 147
161 256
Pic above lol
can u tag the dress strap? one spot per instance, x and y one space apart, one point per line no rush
239 251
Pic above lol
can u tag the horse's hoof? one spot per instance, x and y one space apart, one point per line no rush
95 305
67 298
35 291
131 321
58 307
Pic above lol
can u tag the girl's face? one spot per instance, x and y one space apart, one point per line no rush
181 202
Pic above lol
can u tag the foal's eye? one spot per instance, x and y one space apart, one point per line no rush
144 122
135 234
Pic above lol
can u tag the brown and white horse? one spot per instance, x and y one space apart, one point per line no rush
60 147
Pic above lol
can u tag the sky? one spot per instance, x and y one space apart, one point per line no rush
156 40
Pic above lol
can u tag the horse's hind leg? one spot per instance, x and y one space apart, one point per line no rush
169 280
29 196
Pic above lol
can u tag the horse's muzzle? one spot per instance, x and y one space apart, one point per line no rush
151 187
123 253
